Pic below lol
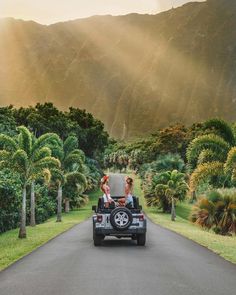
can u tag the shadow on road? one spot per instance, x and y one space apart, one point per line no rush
119 243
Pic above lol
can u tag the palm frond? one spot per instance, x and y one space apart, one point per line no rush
4 155
70 144
48 162
8 143
72 159
230 163
222 128
204 171
25 139
207 156
57 175
42 153
20 160
75 178
210 142
46 140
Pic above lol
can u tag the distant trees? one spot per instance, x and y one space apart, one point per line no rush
7 121
44 118
118 159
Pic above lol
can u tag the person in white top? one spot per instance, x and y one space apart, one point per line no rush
129 191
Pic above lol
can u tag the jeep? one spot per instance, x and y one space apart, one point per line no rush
119 221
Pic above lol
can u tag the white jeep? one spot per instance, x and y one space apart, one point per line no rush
119 221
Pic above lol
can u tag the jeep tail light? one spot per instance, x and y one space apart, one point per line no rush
99 218
141 217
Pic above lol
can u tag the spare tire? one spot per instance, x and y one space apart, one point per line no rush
121 218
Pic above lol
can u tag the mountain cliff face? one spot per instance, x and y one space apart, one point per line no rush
134 72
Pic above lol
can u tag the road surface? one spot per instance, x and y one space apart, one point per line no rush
168 265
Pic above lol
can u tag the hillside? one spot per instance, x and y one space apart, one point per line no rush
134 72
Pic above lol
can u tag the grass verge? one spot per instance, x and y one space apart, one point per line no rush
222 245
12 248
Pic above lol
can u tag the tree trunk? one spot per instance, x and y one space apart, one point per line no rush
59 203
67 205
173 214
32 205
22 232
193 196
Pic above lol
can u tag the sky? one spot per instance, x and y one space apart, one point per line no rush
51 11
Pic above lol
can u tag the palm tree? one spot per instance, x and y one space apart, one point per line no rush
70 177
213 146
216 168
169 187
212 154
32 159
59 179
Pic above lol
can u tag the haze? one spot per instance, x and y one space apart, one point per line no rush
51 11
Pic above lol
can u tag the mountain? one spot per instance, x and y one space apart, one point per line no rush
135 72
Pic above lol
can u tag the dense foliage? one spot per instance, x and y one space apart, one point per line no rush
10 199
46 117
39 163
179 161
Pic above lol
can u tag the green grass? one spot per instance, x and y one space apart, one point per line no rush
222 245
12 248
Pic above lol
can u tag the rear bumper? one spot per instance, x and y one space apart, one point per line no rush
114 232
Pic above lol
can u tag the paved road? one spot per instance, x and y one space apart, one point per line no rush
71 265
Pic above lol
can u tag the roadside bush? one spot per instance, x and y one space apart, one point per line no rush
10 200
217 211
45 204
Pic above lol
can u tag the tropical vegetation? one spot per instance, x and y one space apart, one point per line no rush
217 211
47 159
178 163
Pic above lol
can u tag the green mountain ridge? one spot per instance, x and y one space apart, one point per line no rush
136 73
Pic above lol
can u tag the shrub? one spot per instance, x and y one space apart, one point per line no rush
217 211
10 200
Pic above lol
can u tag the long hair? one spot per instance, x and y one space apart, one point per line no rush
131 181
101 186
103 181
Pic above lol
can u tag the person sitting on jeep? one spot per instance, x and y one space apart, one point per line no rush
129 191
106 191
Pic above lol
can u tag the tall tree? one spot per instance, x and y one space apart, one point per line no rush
166 189
70 178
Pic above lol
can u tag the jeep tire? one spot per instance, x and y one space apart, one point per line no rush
97 239
141 239
121 218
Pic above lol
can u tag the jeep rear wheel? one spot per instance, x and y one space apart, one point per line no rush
97 239
121 218
141 239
